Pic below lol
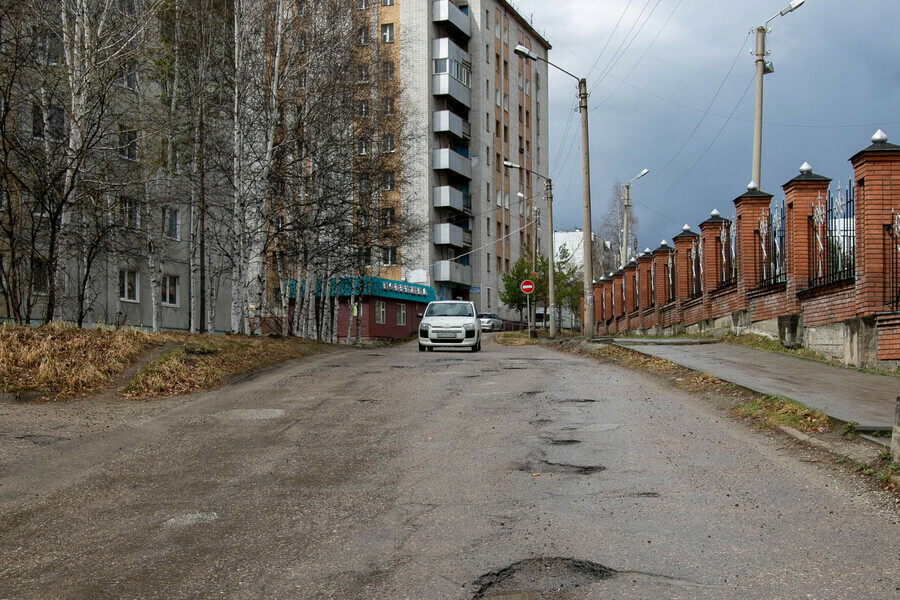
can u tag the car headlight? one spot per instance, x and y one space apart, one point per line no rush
469 326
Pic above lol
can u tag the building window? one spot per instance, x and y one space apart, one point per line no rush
362 4
53 48
499 198
389 256
129 215
387 217
401 314
170 223
170 290
362 108
127 75
129 286
380 312
387 142
487 186
387 70
40 276
388 181
362 73
387 106
301 80
387 33
497 96
56 122
387 2
362 146
362 36
489 257
128 143
489 297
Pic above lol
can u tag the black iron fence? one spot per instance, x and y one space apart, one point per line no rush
892 261
726 244
770 247
833 238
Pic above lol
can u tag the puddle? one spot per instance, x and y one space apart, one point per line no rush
525 579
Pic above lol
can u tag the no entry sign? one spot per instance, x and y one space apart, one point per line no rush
527 286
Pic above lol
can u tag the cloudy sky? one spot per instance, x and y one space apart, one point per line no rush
672 90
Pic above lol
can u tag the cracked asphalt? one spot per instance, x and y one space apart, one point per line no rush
389 473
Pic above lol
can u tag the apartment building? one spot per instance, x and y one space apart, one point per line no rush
477 105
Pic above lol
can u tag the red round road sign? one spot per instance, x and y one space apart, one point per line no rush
527 286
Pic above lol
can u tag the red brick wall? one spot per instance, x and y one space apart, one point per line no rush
832 304
888 327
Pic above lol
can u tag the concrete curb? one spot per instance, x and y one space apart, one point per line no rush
857 458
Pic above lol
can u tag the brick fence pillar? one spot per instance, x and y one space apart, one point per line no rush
710 234
684 241
876 187
749 207
800 196
644 264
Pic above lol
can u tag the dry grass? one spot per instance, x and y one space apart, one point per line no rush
201 362
61 361
772 411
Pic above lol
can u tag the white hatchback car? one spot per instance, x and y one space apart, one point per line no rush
449 324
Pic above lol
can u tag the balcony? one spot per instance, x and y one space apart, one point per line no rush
454 272
446 234
443 84
445 121
446 196
444 11
445 158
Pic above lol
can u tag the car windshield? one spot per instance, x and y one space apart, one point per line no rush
450 309
484 316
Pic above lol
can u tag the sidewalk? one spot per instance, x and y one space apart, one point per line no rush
863 398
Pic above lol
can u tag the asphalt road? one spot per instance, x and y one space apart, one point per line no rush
389 473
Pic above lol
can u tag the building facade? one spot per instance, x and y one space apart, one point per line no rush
479 105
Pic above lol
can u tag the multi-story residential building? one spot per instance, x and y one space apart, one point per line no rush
479 105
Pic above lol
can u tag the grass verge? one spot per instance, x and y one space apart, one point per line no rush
772 411
61 361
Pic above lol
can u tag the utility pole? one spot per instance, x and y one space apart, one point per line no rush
758 111
623 260
586 212
551 275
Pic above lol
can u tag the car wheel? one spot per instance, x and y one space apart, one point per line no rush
429 348
477 346
421 348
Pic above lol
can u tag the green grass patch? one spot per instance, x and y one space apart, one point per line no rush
772 411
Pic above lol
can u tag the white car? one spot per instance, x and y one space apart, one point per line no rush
449 324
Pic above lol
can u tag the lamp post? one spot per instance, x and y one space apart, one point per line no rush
585 191
763 67
551 284
624 253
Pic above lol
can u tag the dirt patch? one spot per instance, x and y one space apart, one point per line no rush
540 575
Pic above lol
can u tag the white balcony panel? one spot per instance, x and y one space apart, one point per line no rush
446 11
446 121
446 196
451 235
445 48
445 158
454 272
443 84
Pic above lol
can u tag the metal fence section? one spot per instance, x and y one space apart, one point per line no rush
892 291
695 273
726 243
770 246
833 238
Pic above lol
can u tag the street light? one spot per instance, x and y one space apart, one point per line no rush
624 257
551 284
585 190
762 67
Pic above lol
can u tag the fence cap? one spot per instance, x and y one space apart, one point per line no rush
714 217
686 232
879 144
664 247
806 174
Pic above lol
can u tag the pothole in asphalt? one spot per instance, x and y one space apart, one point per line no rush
367 400
563 468
578 400
251 414
530 393
525 578
567 442
192 519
